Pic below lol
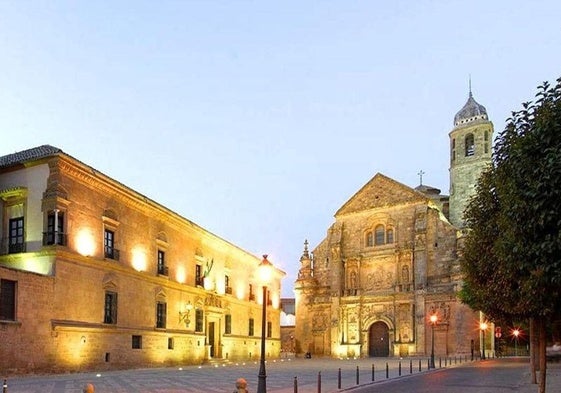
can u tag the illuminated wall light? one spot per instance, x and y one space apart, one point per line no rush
181 274
240 290
139 260
84 240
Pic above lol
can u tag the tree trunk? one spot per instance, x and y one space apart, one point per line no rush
543 362
534 350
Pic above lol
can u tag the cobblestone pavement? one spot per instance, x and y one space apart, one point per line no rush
282 374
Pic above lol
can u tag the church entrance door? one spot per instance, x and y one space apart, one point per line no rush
378 340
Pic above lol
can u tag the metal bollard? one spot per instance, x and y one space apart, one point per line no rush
339 379
5 386
319 382
410 366
387 371
428 364
373 373
399 372
357 376
419 365
439 362
295 384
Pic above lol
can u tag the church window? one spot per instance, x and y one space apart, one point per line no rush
453 150
389 236
486 141
380 235
470 145
369 239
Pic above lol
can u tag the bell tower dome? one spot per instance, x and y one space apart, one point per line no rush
470 153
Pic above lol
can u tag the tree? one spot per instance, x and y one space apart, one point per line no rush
512 253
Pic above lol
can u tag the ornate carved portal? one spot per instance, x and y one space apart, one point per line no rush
378 340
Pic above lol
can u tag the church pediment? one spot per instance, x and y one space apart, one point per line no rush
380 192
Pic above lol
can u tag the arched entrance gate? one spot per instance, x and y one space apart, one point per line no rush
378 340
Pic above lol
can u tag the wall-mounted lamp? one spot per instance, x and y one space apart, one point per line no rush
184 315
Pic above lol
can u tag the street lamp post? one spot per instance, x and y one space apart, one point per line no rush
516 333
265 271
433 319
483 327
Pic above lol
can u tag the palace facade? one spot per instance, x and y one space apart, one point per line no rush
390 261
95 276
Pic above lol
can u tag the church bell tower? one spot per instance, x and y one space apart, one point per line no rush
470 153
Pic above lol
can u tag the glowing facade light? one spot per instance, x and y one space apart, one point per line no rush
85 244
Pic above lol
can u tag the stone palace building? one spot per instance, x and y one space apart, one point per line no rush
391 260
95 276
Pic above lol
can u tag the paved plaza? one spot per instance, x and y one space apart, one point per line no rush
281 376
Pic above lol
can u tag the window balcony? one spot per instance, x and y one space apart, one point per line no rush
111 253
163 270
51 238
229 290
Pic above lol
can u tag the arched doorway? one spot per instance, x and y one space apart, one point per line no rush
378 340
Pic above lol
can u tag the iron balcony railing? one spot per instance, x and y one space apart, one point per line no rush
52 238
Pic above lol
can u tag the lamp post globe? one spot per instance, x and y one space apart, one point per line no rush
265 273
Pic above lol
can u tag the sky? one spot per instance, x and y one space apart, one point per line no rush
257 120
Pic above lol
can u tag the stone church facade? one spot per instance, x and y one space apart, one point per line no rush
391 260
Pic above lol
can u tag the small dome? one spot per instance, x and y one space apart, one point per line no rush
470 112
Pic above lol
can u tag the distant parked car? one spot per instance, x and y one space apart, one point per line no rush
554 352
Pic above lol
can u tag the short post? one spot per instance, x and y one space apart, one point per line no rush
428 364
410 366
399 371
419 365
439 362
5 386
357 376
319 381
387 371
373 373
339 379
295 384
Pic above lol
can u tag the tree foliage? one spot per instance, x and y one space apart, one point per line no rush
512 253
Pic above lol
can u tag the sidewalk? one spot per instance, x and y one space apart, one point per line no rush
552 380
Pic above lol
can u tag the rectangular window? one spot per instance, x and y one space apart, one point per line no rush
136 342
269 329
199 320
16 233
199 275
227 286
269 299
8 300
162 269
109 245
251 294
228 324
251 330
55 231
161 312
110 315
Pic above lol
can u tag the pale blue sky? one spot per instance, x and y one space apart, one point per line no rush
258 119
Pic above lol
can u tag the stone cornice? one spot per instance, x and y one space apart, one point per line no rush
97 180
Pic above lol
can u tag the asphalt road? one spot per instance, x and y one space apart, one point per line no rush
490 376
